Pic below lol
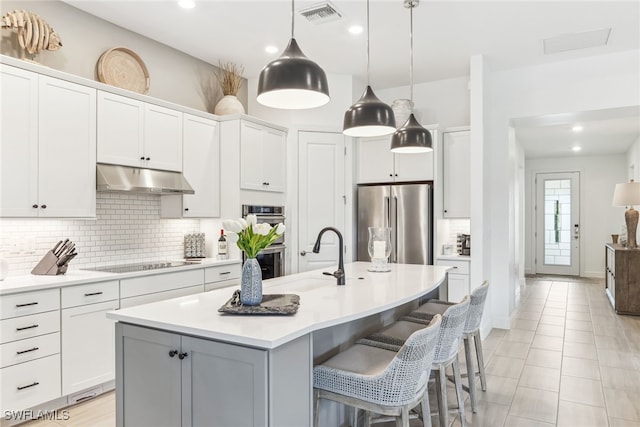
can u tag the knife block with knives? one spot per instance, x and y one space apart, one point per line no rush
56 260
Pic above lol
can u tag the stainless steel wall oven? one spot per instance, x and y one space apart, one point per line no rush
271 259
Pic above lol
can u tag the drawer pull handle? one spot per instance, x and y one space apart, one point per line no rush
28 351
27 304
83 398
92 294
225 272
27 327
454 267
30 385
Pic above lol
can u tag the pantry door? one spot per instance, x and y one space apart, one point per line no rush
321 197
558 223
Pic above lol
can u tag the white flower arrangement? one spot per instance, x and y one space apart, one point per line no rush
250 236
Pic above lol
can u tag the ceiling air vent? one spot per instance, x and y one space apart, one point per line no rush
321 13
576 41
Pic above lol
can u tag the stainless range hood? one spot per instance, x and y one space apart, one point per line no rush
140 180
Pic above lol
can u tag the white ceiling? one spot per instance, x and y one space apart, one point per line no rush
509 33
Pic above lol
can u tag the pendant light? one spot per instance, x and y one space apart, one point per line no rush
411 137
369 116
293 81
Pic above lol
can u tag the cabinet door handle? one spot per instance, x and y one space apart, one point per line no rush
27 327
148 158
182 355
265 183
34 206
43 206
92 294
30 385
172 353
27 351
142 158
26 304
390 174
225 272
186 209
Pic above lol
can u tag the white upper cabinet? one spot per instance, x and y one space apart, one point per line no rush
48 146
262 157
376 162
201 168
135 133
456 179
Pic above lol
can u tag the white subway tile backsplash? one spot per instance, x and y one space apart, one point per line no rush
127 228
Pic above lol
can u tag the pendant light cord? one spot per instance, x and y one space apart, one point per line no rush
292 18
411 50
368 52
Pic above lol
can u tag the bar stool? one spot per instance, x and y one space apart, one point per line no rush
470 332
449 340
378 380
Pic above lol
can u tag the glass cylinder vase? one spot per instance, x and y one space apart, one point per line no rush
379 248
251 283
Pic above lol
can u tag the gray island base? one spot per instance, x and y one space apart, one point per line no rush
181 363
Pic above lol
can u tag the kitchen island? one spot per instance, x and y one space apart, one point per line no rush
180 362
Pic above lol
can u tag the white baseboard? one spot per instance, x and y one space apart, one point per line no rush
501 322
528 271
595 274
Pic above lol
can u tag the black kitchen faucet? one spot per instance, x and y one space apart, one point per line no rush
339 273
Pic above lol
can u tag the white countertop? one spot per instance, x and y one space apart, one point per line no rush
454 257
322 304
32 282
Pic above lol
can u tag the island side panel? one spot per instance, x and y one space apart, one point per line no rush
291 383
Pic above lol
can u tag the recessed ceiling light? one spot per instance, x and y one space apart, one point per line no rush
577 128
576 148
271 49
187 4
355 29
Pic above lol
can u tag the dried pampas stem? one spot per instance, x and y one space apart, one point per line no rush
230 77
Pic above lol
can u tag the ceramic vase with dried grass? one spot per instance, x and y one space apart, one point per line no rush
230 78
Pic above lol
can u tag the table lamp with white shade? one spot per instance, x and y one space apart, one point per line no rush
628 194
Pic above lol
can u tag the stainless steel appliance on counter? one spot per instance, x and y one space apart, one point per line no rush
408 210
272 258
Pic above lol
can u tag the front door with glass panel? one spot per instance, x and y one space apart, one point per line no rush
557 223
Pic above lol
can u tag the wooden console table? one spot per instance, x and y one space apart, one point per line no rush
622 284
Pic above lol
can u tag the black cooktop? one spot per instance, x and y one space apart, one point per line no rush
141 266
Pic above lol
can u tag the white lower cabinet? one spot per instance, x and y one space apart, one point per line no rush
87 346
458 283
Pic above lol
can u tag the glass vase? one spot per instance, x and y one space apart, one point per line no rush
251 283
379 248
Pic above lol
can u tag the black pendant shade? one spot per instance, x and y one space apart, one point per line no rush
369 117
293 81
411 138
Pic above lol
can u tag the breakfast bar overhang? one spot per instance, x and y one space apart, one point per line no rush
181 362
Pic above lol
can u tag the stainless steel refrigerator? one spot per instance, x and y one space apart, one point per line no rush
408 210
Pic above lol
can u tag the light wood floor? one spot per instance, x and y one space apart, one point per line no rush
568 361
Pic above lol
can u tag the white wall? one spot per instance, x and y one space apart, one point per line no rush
174 76
326 118
598 219
592 83
633 161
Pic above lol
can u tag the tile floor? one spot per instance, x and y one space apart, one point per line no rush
568 361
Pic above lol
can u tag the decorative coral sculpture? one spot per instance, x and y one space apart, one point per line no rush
34 34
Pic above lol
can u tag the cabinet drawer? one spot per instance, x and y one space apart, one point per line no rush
160 296
31 383
458 267
22 304
221 272
91 293
160 282
223 284
32 348
29 326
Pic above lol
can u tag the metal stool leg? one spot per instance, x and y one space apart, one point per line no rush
458 383
471 373
478 342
